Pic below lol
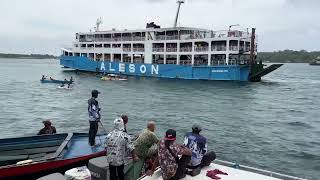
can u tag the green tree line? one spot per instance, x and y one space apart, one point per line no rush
27 56
288 56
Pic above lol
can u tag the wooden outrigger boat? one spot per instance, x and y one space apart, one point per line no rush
36 156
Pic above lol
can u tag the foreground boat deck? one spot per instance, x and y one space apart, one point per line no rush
233 174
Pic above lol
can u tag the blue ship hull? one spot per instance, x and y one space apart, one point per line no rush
221 72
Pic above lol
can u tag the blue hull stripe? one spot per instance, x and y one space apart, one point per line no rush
221 72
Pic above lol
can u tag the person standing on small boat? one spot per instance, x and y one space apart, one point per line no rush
94 116
172 166
118 145
48 128
198 145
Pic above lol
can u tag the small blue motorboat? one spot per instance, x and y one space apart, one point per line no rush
35 156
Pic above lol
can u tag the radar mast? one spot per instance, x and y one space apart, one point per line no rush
176 19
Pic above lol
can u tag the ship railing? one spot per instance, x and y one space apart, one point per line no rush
138 49
218 48
174 37
116 39
201 49
172 49
185 36
158 49
161 37
98 39
127 49
138 38
186 49
126 38
233 48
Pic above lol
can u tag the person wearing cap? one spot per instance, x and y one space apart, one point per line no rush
173 167
48 128
94 116
198 145
118 145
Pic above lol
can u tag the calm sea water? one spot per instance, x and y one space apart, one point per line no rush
273 124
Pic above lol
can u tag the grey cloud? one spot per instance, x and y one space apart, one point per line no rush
35 26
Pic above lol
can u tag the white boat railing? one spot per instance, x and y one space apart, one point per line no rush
257 170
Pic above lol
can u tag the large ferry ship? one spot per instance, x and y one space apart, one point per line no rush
175 52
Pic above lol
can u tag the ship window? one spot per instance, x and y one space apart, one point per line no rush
138 58
117 57
107 57
157 59
126 58
233 45
185 60
218 45
171 59
201 60
106 45
218 59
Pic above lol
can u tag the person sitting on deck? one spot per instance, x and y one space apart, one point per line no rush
43 77
51 78
168 153
146 148
117 145
198 145
48 128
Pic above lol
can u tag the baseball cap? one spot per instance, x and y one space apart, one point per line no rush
95 92
170 135
196 127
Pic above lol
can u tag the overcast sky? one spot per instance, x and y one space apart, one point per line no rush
44 26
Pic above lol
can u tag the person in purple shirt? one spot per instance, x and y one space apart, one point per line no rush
198 145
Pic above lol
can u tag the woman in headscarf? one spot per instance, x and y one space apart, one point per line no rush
118 144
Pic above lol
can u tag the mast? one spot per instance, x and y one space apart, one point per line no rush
253 46
176 19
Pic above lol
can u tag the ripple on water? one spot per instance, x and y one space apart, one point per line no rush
299 124
253 123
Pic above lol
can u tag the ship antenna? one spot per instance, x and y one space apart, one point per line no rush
98 23
176 19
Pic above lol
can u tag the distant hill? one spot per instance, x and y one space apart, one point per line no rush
27 56
288 56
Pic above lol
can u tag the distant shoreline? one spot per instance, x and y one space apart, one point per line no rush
286 56
27 56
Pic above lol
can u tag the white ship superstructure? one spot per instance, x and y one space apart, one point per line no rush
175 52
